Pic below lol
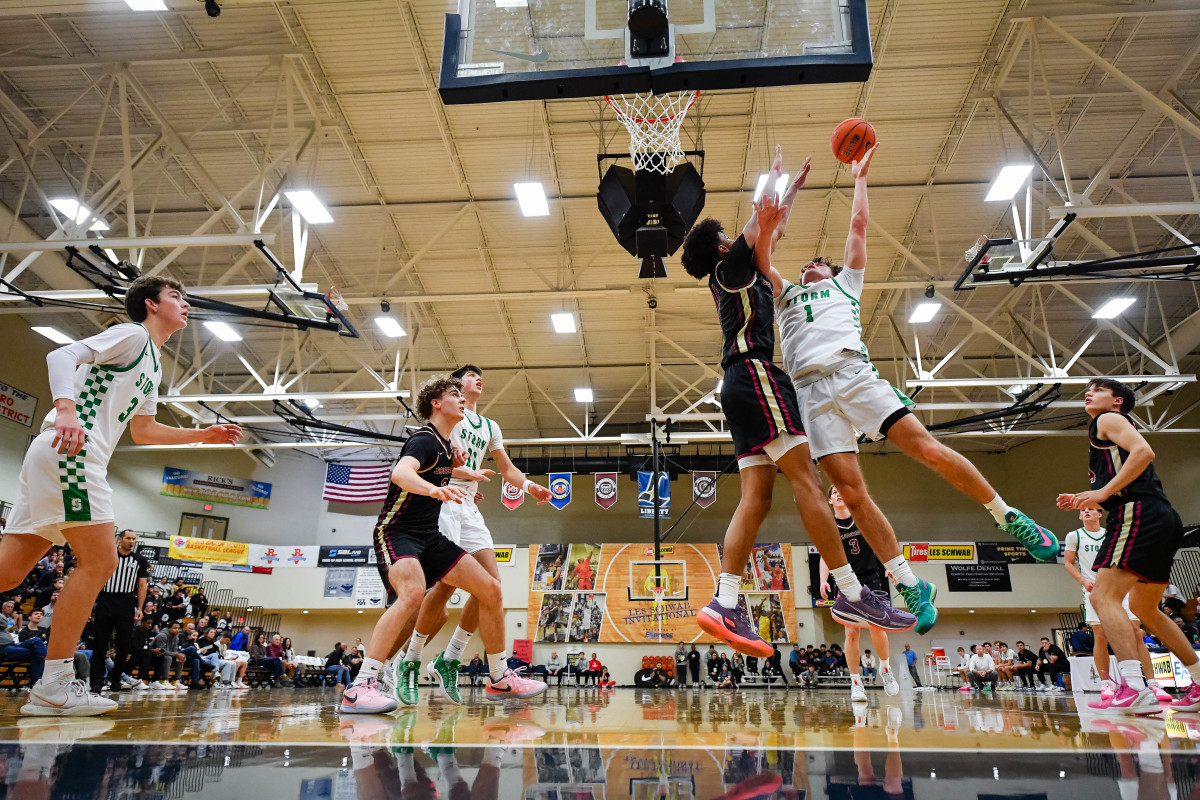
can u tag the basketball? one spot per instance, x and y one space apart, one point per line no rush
852 138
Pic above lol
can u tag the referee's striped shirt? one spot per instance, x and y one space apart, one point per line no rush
129 568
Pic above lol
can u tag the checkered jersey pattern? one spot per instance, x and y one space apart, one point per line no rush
72 469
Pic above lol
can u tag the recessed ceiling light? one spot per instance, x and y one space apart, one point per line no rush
389 327
73 210
312 209
1113 308
146 5
223 331
532 198
780 185
583 395
53 334
1008 182
306 611
310 403
924 312
563 323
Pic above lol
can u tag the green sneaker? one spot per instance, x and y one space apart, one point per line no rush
987 690
919 600
1041 543
401 737
406 682
445 673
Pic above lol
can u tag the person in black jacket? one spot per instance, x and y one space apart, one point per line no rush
693 662
333 662
1052 662
199 604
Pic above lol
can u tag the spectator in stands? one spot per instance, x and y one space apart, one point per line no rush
1052 662
982 670
45 565
260 658
199 603
657 678
794 659
1148 638
241 640
593 670
554 666
1189 629
1004 665
175 606
333 663
1082 641
964 669
724 678
140 654
841 667
9 617
476 668
712 663
169 667
230 667
604 680
1024 662
774 665
48 610
276 650
738 667
870 666
910 658
693 663
681 658
210 654
47 580
353 660
225 623
29 650
43 596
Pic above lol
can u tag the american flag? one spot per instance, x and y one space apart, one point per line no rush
368 483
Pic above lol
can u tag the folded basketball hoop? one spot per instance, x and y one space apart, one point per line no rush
653 122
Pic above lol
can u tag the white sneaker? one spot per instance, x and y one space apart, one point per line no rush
240 685
179 686
891 686
139 686
160 686
65 699
857 693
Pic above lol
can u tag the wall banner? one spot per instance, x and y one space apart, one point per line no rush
560 489
953 552
213 551
368 589
1005 553
262 555
511 496
646 495
188 485
978 578
339 582
329 556
704 488
606 489
16 405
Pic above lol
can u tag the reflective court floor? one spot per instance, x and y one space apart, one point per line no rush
572 744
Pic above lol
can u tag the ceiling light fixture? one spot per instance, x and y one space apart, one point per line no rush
312 209
1113 308
563 323
1008 182
310 403
146 5
53 334
223 331
73 210
780 185
924 312
389 327
532 199
584 395
213 9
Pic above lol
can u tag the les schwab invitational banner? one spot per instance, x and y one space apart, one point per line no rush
607 592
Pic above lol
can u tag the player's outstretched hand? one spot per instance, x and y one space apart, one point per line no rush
460 455
541 493
1078 502
859 168
69 434
777 164
771 211
484 475
801 177
223 434
449 494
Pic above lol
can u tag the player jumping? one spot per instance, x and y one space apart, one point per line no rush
100 386
760 407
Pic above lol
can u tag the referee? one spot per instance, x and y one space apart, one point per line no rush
118 608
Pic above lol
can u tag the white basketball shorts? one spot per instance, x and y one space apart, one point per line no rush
836 407
464 525
1089 613
57 492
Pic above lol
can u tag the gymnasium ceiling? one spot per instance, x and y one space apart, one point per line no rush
175 125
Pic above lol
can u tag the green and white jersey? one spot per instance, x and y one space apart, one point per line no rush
819 325
479 436
1086 545
122 380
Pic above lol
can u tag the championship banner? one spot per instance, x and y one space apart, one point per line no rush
606 489
511 496
560 489
584 593
262 555
342 556
16 405
960 552
213 551
188 485
646 496
704 488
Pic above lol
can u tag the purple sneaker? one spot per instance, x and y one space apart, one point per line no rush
731 626
872 611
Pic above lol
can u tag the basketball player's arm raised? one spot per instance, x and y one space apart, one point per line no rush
789 197
753 231
405 475
856 241
1117 429
770 213
146 430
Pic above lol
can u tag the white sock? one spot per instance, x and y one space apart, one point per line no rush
415 645
885 666
901 572
497 665
998 509
1194 671
847 582
1131 671
458 643
369 669
59 669
856 679
406 768
448 766
400 656
727 589
1152 684
492 756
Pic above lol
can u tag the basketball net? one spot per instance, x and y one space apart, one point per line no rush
653 122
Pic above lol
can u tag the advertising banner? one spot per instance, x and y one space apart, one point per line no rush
330 556
188 485
16 405
339 582
213 551
368 589
504 553
978 578
1004 553
606 489
262 555
960 552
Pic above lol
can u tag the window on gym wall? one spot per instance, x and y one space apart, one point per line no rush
202 526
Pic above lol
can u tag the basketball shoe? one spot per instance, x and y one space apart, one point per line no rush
1041 543
891 687
407 681
365 698
445 674
732 626
871 610
919 600
513 685
1133 701
65 698
1190 701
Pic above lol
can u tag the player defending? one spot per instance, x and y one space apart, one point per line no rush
1141 539
869 570
840 393
413 555
100 386
1082 545
462 524
760 406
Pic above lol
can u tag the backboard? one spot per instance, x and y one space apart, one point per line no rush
670 577
502 50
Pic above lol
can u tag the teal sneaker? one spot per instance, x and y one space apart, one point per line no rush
1041 543
406 682
919 600
445 673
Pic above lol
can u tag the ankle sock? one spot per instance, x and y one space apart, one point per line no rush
415 645
901 572
369 669
998 509
458 643
847 582
497 665
727 589
58 669
1131 671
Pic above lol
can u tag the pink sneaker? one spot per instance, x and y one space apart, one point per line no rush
1161 694
1190 700
513 685
965 689
1107 689
505 732
365 698
1104 702
1132 701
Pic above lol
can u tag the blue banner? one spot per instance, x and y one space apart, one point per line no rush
646 496
560 489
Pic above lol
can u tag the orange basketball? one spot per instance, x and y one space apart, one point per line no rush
852 138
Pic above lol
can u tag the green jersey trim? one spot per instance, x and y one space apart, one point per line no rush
848 295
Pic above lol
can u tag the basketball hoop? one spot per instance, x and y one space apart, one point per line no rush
658 592
653 122
974 249
335 297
